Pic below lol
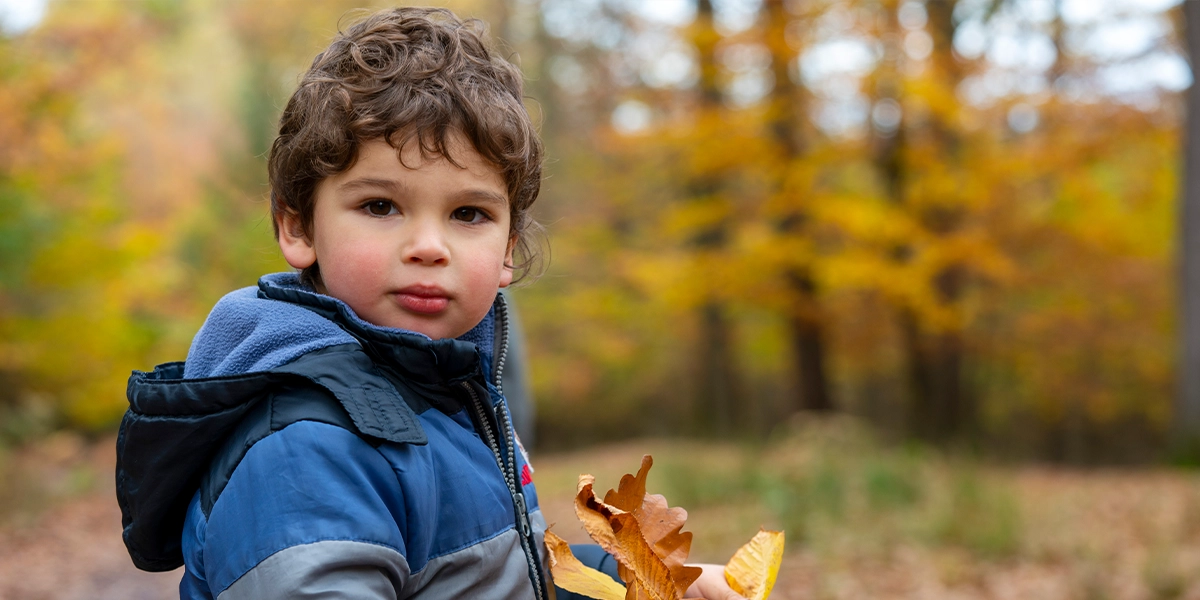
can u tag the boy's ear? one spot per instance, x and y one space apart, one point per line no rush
506 275
297 249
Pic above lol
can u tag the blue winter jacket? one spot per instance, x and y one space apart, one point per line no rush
302 452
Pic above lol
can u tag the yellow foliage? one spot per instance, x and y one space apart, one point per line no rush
132 186
752 570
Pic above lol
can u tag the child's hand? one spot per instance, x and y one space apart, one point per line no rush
711 585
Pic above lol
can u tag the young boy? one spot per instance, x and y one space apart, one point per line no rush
341 432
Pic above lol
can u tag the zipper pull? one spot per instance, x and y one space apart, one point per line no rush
523 515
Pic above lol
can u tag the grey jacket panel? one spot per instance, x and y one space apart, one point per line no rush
495 568
484 570
537 522
347 569
328 569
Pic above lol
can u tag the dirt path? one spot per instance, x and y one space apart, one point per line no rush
75 552
70 547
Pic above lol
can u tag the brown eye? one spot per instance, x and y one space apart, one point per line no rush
468 214
380 208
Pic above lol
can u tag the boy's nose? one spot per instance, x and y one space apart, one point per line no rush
427 245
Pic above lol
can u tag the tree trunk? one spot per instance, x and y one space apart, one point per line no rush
942 351
719 380
808 345
889 147
938 405
807 319
1187 405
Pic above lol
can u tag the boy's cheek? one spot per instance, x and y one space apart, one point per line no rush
357 270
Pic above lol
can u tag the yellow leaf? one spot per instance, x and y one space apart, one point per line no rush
752 570
574 576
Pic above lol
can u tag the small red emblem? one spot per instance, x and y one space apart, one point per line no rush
526 475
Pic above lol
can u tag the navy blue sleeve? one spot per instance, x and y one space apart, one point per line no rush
595 557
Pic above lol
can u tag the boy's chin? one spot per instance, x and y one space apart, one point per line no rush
451 322
434 328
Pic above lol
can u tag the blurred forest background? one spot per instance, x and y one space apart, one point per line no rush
827 253
957 220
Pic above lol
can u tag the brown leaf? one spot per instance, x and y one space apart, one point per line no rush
632 490
642 533
660 525
637 592
595 515
574 576
645 567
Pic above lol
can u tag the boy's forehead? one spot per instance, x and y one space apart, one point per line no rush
452 142
413 150
380 164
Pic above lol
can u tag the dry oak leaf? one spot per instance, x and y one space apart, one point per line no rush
752 570
660 524
641 532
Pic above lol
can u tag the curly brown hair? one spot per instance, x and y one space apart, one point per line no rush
401 75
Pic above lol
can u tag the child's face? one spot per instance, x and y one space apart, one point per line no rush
421 248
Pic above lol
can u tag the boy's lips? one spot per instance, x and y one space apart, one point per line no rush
422 299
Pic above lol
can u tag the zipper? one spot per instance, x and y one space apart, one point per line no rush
508 467
527 542
502 352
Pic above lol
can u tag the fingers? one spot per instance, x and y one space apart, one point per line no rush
712 585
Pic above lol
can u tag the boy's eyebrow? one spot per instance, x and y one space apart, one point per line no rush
372 182
482 195
469 195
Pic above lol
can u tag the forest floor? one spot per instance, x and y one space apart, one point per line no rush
862 520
